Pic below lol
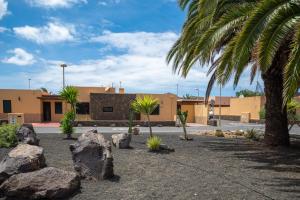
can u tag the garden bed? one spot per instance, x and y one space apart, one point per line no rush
205 168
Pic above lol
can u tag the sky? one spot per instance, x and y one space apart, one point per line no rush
103 42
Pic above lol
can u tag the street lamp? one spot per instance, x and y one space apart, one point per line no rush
29 83
197 89
63 66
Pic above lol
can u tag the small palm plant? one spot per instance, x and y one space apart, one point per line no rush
146 106
70 95
130 121
183 118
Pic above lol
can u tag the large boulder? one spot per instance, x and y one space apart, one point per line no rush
121 141
21 159
47 183
92 156
27 135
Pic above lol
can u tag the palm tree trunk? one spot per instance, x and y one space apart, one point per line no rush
276 124
149 124
185 133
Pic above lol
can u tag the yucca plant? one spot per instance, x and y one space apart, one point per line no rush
153 143
146 106
262 35
70 95
8 137
183 118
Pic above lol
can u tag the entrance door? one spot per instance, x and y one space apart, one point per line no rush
46 111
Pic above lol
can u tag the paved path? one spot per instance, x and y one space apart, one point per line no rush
226 125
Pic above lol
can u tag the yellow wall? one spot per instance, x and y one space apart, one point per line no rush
168 106
191 112
22 101
201 114
250 105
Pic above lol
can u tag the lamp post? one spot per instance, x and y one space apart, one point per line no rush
63 67
197 89
29 83
220 101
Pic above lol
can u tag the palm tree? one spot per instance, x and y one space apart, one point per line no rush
70 95
232 36
146 106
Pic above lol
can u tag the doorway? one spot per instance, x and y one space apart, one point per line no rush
46 111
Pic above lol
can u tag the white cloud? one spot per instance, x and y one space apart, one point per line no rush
55 3
3 29
3 8
20 57
107 2
53 32
141 66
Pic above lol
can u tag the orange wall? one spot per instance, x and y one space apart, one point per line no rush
250 105
191 112
84 92
168 106
23 101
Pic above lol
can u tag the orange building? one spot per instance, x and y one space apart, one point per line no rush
39 106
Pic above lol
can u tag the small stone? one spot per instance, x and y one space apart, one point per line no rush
121 141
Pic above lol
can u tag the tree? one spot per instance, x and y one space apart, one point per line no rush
146 106
232 36
70 95
248 93
182 115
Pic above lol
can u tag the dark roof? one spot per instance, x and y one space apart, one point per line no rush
50 97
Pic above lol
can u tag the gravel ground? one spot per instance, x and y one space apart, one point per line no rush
206 168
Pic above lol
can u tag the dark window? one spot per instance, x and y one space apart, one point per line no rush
58 108
83 108
108 109
156 111
6 106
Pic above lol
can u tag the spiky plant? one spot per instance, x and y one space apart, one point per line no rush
70 95
146 106
183 118
232 36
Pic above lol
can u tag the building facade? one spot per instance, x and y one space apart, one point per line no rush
94 104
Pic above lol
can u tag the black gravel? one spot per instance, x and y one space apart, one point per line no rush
206 168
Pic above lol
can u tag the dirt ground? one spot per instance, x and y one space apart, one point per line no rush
205 168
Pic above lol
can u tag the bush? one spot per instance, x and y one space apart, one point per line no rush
262 114
8 136
251 135
219 133
67 123
153 143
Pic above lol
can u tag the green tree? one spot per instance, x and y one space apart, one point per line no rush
232 36
146 106
70 95
248 93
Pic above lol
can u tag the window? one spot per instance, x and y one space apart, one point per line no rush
83 108
58 108
6 106
108 109
156 111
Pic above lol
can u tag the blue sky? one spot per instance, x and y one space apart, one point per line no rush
102 41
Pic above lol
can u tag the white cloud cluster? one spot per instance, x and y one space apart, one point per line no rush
107 2
141 67
54 3
53 32
19 57
3 8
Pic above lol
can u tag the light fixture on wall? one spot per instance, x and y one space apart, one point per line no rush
19 98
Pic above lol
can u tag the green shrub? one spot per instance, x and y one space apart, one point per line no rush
8 136
67 123
262 113
219 133
251 135
153 143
